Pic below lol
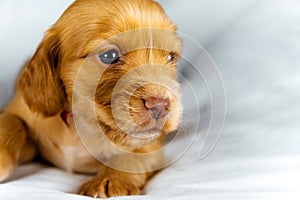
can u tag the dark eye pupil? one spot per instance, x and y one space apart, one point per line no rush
110 57
171 57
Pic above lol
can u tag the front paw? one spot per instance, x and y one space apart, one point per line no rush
109 186
7 165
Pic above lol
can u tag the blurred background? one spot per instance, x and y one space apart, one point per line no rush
256 46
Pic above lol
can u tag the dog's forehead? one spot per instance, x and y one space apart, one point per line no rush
142 38
130 24
156 38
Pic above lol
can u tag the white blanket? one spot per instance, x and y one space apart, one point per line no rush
256 46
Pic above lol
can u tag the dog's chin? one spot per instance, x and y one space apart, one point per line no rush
140 139
146 135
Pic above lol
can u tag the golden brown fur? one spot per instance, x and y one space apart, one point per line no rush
120 99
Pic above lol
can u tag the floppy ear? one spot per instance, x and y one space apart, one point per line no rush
39 81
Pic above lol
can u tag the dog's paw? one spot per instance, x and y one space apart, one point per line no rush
7 165
4 174
109 186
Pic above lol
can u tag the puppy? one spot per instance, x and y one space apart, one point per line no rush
98 96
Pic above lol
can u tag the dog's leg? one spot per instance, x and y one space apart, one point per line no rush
110 182
15 147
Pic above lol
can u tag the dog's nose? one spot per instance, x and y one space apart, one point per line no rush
158 107
157 112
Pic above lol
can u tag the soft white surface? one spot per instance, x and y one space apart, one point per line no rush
258 155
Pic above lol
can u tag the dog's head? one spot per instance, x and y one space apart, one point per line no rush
118 57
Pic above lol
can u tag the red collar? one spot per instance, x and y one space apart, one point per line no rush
64 115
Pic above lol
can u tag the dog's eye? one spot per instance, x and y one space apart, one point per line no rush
171 57
110 57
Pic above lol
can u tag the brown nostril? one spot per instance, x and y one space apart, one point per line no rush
157 112
158 107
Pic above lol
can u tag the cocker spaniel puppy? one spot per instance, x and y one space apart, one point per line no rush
98 96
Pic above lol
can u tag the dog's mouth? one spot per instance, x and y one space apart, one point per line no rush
148 116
